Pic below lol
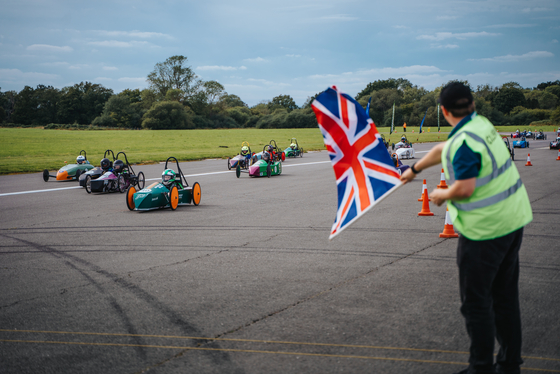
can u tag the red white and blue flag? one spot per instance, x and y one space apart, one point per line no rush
364 171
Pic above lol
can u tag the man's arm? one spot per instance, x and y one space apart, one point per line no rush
459 190
432 158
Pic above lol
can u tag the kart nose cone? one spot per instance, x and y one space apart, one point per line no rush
62 175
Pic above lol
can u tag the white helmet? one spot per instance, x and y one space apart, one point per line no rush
80 159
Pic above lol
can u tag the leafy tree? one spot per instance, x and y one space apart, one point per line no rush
555 116
26 107
232 101
82 102
512 85
214 91
310 100
47 104
543 86
390 83
173 73
508 98
282 101
554 89
548 100
168 115
239 114
120 112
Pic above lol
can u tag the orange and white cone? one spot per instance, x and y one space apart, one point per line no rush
424 188
558 158
425 205
448 230
442 183
528 160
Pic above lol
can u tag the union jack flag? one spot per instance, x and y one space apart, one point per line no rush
364 171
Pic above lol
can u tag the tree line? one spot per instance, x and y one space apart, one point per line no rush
178 99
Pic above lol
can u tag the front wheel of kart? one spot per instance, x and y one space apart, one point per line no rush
238 171
130 198
301 152
87 183
46 175
268 171
141 181
174 197
228 163
196 196
283 156
527 144
78 173
121 184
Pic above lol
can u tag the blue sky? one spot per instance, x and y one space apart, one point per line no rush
260 49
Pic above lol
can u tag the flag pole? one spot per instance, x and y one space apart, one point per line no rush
438 117
393 120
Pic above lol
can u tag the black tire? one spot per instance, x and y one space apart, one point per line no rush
527 144
228 163
238 171
268 171
78 173
141 182
46 175
121 184
301 152
87 184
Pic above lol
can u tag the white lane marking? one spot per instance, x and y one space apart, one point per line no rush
151 179
36 191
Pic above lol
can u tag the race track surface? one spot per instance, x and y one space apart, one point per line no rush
248 282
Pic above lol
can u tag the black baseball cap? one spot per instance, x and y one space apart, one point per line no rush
455 95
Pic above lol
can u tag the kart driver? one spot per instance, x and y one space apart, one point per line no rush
168 177
245 152
80 160
293 146
106 165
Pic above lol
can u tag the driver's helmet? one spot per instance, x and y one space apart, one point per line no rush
269 149
118 166
168 177
517 130
403 139
106 164
244 150
293 146
395 160
80 159
266 156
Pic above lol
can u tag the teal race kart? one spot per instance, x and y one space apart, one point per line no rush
266 166
171 192
294 150
71 171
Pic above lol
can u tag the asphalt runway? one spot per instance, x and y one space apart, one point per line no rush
248 282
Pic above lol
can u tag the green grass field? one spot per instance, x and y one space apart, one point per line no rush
25 150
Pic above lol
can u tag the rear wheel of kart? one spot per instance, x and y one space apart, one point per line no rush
78 173
229 163
196 193
174 197
301 152
527 144
130 197
238 171
46 175
141 181
283 156
121 184
268 171
87 184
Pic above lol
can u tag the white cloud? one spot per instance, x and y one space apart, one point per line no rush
132 80
16 75
512 25
105 79
446 18
461 36
110 68
339 18
118 44
258 59
530 10
132 34
447 46
400 27
293 56
514 58
49 48
554 41
78 66
216 67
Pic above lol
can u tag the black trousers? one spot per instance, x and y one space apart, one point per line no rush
488 280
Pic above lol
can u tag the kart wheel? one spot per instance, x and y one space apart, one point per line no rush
228 163
87 184
46 175
174 197
196 193
268 171
130 197
121 184
527 144
141 181
283 156
238 171
78 173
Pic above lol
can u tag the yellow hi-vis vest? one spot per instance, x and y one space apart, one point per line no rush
499 204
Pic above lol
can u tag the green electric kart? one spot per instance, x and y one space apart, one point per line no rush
174 192
294 150
267 166
70 171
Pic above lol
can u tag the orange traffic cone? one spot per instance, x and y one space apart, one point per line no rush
424 188
528 160
442 183
448 231
558 158
425 205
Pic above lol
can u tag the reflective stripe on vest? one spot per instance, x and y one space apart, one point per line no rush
481 181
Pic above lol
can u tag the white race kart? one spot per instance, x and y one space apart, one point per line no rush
404 149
